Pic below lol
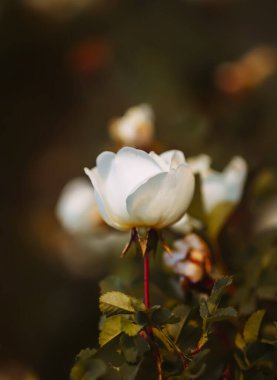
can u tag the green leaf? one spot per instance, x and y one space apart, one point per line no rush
111 328
133 348
96 370
223 314
174 330
129 349
86 354
88 369
239 342
164 339
222 283
142 318
218 216
190 335
204 311
117 302
160 316
252 326
130 327
217 292
197 365
240 359
129 372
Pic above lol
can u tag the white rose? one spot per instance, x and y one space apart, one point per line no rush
200 164
226 186
137 189
135 128
217 187
76 208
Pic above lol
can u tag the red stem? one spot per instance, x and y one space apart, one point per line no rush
146 280
156 352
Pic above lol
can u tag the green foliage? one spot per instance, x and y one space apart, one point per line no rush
133 348
209 308
254 355
111 328
174 330
259 279
87 367
117 302
160 316
185 339
252 326
188 333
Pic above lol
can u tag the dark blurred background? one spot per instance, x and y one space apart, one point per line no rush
207 67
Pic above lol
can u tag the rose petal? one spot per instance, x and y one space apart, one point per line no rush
162 199
115 176
103 205
162 164
106 215
200 164
234 175
213 190
173 158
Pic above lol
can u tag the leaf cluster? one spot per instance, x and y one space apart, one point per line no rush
135 341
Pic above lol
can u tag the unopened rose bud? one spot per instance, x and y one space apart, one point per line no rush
190 260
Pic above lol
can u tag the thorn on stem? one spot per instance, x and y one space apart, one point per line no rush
165 246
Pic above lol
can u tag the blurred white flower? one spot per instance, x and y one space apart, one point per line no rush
135 128
76 208
190 259
90 242
217 187
200 164
186 224
137 189
226 186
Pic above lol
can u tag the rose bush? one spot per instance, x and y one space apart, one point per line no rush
137 189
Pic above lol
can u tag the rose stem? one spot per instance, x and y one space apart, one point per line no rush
147 304
146 280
